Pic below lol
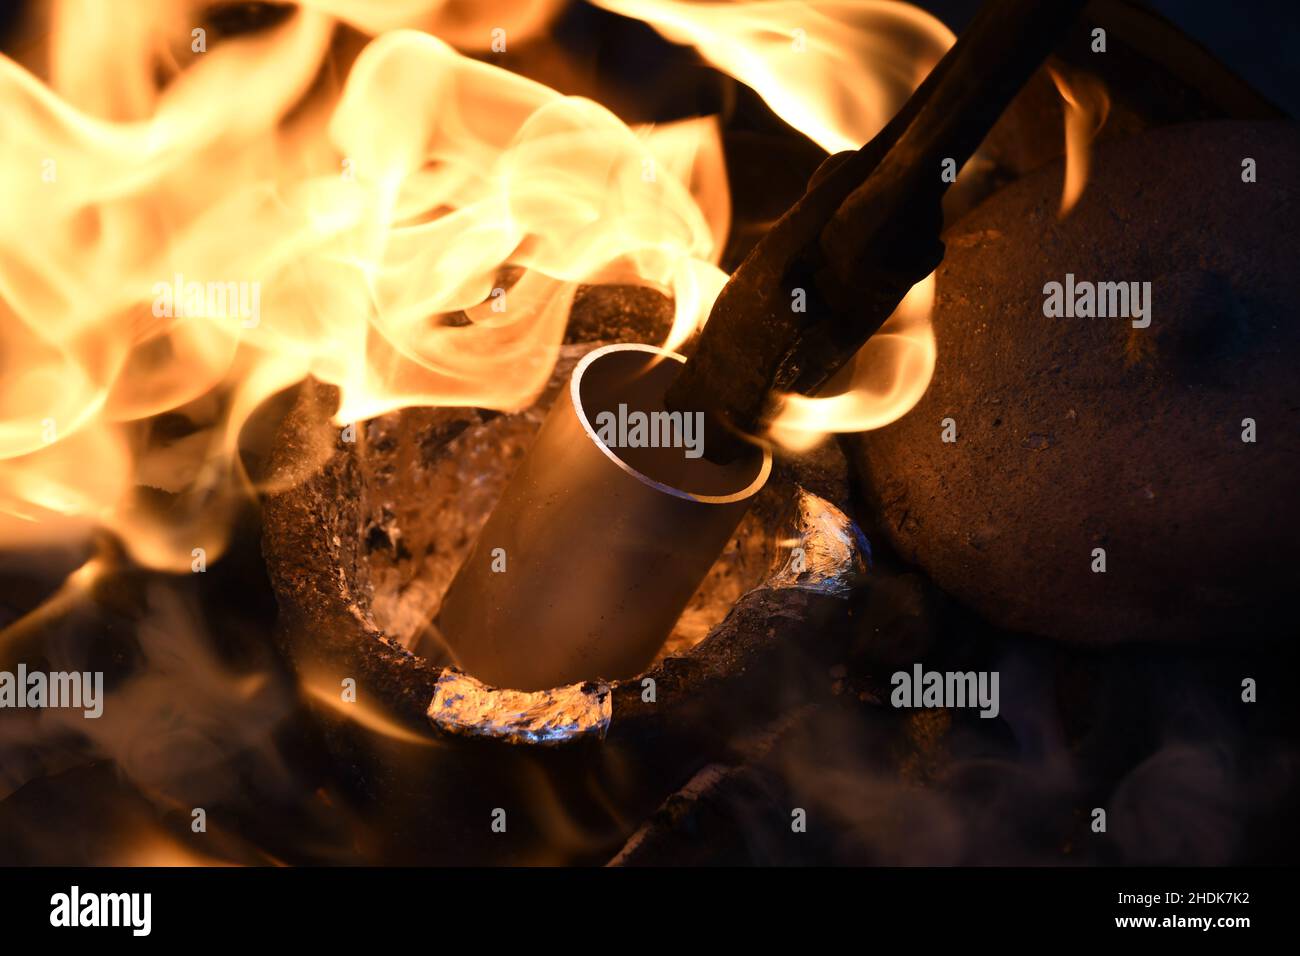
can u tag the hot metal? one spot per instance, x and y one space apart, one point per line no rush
592 552
835 558
463 705
827 554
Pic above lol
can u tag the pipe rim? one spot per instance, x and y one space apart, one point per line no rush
575 395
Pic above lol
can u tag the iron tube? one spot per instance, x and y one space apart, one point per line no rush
596 546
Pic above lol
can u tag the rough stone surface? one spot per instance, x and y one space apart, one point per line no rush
1084 433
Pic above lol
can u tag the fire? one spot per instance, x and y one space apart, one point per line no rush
325 692
196 222
1086 106
836 70
887 378
357 235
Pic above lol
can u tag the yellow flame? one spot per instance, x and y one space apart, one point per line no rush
74 589
193 225
326 691
887 378
1086 106
836 70
244 225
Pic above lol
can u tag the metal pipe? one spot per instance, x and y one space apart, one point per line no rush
601 536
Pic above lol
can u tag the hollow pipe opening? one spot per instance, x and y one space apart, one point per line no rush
601 537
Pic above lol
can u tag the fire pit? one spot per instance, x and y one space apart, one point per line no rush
361 551
450 440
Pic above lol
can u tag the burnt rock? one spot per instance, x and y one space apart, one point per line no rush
1081 433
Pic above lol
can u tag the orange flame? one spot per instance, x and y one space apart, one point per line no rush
1086 107
887 378
325 691
837 71
190 228
241 228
